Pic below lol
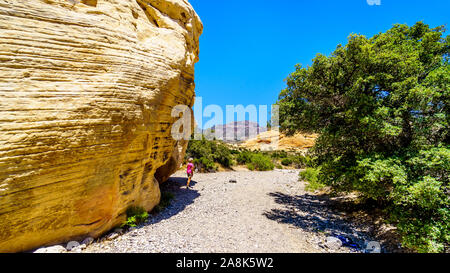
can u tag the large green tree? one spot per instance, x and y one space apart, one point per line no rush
381 108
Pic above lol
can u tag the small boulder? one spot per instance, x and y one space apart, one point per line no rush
87 241
373 247
233 181
71 245
333 243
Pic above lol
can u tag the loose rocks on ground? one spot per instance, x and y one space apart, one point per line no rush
264 212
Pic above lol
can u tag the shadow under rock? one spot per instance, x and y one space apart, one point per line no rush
313 214
182 198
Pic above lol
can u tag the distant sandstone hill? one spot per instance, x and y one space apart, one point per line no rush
271 140
237 131
86 93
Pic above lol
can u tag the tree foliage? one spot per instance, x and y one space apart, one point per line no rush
206 153
260 162
381 108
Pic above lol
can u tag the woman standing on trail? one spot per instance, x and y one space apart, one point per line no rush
190 171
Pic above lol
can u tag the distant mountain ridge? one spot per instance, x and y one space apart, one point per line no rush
238 131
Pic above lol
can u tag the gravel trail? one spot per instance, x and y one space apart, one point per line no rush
262 212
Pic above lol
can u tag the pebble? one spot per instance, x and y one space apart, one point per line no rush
51 249
333 243
72 244
87 241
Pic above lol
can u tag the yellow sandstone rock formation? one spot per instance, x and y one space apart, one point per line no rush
273 140
86 92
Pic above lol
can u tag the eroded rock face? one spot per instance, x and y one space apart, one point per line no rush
86 92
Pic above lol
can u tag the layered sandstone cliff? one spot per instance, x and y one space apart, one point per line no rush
86 92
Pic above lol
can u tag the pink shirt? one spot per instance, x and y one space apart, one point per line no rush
190 168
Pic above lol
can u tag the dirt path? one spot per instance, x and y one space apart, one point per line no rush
262 212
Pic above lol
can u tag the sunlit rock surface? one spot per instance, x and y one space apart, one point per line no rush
86 92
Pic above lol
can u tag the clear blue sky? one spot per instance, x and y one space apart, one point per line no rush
249 47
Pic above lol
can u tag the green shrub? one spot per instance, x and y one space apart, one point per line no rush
206 153
311 175
135 216
222 155
279 154
381 108
235 152
286 162
199 149
301 161
244 157
261 163
205 164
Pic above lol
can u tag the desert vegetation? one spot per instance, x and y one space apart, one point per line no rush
210 155
381 108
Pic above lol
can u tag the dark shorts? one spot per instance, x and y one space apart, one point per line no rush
190 174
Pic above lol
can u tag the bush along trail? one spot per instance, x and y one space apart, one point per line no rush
209 156
381 108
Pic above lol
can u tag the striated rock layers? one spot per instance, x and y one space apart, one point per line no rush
86 93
